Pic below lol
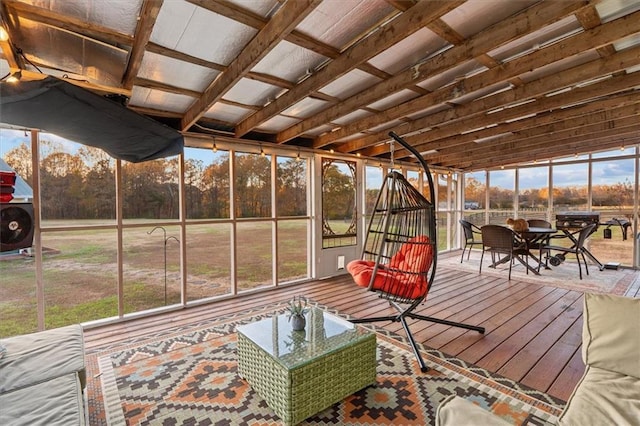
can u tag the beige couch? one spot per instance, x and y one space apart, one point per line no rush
609 391
42 378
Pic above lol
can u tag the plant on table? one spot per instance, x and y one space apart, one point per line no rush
297 308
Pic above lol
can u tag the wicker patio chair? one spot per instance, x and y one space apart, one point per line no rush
503 242
470 231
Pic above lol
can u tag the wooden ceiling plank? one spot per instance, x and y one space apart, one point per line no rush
466 118
588 17
594 91
445 32
406 24
599 36
74 25
282 23
608 139
606 88
146 20
15 63
402 5
527 21
174 54
619 61
232 11
156 85
538 132
543 124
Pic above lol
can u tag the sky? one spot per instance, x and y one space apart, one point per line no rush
607 172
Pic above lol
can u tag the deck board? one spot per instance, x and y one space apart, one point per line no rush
533 331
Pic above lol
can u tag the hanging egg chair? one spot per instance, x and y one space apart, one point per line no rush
400 250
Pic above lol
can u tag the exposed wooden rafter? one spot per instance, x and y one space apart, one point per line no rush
282 23
406 24
481 84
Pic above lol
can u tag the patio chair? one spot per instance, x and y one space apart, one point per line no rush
577 248
500 240
470 232
399 255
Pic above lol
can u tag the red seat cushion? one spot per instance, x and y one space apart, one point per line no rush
405 274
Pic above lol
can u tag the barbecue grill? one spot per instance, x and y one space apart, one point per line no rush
577 220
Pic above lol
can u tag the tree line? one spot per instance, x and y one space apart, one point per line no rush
618 195
82 185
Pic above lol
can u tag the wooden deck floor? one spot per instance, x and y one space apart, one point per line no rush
533 331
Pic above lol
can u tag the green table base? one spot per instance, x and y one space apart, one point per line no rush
297 393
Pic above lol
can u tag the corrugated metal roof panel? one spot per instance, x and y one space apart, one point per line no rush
252 92
536 39
353 116
409 51
160 100
264 8
198 32
394 99
289 62
277 124
176 73
338 23
559 66
227 113
613 9
349 84
474 16
305 108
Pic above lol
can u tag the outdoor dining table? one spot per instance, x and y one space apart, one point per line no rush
527 239
531 237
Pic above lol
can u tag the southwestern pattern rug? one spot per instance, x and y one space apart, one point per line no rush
188 376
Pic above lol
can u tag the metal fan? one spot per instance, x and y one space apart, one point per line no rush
16 227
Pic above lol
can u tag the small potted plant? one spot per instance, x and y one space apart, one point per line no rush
297 308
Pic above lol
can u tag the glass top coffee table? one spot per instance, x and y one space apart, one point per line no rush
300 373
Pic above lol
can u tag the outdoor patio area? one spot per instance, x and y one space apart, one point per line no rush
533 324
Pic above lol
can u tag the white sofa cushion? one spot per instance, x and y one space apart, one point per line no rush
603 398
611 333
38 357
56 402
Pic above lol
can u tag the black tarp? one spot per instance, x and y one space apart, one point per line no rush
56 106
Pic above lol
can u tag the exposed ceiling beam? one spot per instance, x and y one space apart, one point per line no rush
406 24
232 11
546 123
464 118
282 23
541 134
146 20
75 25
477 46
603 35
609 139
583 94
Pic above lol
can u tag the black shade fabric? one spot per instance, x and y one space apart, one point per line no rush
56 106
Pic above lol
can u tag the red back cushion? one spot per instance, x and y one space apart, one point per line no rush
405 275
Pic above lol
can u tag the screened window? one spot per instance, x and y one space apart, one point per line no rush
339 224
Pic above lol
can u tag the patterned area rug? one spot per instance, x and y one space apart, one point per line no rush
188 376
